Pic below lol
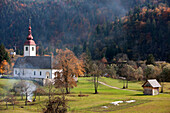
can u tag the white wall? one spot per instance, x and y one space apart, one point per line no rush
29 52
155 91
29 73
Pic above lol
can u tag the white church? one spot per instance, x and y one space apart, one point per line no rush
31 66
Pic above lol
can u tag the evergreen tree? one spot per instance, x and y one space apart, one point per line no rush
3 54
150 60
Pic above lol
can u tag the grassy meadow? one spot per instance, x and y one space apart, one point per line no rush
93 102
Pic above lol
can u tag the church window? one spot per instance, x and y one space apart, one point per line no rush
26 48
34 72
40 72
32 48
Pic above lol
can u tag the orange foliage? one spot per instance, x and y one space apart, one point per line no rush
4 66
71 66
104 60
23 5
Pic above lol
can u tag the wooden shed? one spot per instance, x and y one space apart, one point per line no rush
151 87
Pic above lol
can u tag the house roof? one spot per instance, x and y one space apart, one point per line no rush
34 62
153 82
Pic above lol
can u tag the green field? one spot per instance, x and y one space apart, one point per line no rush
94 102
132 85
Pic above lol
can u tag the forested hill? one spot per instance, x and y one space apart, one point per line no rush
143 31
58 23
72 24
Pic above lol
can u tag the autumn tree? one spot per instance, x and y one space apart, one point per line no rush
71 67
3 66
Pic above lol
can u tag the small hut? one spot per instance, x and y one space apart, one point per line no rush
151 87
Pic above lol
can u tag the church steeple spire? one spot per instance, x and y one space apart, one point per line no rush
29 45
29 37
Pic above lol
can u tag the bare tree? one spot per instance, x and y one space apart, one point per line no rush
39 91
18 87
25 88
12 100
96 70
6 101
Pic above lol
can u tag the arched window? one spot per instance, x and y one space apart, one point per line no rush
26 48
47 74
32 48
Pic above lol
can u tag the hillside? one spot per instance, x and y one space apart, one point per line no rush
62 23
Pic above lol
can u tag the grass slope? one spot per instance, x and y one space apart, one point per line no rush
94 102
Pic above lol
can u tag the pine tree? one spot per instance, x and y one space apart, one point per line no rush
150 60
3 54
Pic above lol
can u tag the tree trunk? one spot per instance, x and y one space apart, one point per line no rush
49 93
26 99
95 85
67 91
21 93
35 95
21 96
162 89
6 104
96 91
13 105
123 84
66 81
126 83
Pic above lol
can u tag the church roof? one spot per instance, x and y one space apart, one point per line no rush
34 62
29 42
153 83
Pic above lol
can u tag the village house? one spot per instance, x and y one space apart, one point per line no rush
32 66
151 87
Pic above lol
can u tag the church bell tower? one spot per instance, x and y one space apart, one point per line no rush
29 45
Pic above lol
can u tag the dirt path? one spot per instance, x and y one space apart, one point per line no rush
115 87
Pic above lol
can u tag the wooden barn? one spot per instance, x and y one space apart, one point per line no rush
151 87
